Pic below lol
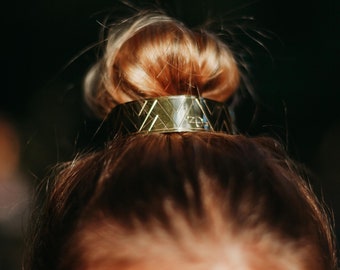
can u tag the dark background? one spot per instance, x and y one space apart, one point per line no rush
291 49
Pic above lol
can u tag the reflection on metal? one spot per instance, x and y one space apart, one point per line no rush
171 114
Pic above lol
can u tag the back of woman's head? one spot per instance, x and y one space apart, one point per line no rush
195 200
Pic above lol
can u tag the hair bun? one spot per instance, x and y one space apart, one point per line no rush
154 55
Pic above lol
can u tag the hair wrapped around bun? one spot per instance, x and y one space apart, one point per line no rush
154 55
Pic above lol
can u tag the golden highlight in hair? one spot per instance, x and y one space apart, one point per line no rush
158 56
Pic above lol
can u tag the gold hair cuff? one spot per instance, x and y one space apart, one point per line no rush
171 114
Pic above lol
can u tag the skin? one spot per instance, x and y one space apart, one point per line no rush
145 251
211 243
235 259
231 261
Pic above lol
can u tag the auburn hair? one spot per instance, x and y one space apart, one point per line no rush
103 207
153 55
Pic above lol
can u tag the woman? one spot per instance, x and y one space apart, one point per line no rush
176 188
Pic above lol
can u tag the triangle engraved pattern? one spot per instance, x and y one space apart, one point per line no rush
170 114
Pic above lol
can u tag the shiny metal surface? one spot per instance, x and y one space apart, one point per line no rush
171 114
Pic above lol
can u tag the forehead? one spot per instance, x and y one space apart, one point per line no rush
237 260
145 251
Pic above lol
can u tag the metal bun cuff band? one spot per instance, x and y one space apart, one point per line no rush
170 114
